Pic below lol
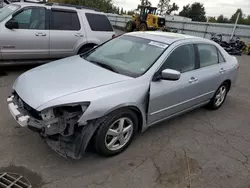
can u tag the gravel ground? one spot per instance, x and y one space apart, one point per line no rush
201 149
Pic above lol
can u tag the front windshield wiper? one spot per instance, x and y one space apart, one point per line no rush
104 66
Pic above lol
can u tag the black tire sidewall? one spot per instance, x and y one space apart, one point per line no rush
144 26
102 130
131 27
212 104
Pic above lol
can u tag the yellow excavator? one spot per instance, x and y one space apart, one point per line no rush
145 20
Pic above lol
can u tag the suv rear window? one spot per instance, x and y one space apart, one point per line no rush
63 20
98 22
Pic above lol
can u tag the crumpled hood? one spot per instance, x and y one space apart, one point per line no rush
60 78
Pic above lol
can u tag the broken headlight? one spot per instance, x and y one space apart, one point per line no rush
62 119
64 111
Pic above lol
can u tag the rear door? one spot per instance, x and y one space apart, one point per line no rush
211 69
99 27
66 32
31 39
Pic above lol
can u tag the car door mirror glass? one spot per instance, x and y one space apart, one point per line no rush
170 74
12 24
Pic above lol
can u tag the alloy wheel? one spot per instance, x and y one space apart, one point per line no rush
119 134
220 95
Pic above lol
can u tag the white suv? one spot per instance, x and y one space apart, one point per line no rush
43 31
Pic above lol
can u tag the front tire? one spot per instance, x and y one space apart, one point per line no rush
219 97
129 26
115 133
143 27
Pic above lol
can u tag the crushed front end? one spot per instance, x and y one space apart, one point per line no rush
59 126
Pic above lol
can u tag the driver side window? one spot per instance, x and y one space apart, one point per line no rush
31 18
181 59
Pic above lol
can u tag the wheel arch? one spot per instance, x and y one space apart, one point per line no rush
228 82
137 110
86 45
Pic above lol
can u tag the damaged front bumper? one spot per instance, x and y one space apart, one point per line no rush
15 112
63 134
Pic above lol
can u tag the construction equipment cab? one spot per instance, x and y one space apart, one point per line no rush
145 20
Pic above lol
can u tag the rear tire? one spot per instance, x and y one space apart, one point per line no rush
219 97
115 133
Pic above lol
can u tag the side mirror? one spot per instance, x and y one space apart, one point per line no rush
12 24
170 74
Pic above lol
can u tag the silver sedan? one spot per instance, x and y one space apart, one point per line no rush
120 88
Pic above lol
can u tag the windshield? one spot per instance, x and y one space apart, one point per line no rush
131 56
6 11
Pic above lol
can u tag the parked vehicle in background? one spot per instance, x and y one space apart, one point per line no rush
123 86
42 31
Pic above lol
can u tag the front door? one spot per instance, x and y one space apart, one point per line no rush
66 33
171 97
30 40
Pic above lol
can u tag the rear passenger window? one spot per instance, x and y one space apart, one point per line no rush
208 55
62 20
181 59
98 22
221 58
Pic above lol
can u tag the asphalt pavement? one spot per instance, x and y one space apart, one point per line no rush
201 149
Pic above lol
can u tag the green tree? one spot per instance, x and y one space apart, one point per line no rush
164 7
247 20
212 19
234 17
222 19
196 12
122 12
185 11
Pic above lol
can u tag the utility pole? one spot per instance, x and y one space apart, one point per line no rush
235 25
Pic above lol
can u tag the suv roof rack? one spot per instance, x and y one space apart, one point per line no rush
70 5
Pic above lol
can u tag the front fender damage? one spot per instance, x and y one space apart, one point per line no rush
67 137
59 126
74 146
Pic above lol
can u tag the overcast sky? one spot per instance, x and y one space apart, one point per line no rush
212 7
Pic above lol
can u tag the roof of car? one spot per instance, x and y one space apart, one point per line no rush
23 4
165 37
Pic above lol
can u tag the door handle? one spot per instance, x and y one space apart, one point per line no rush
193 79
40 34
79 35
222 70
